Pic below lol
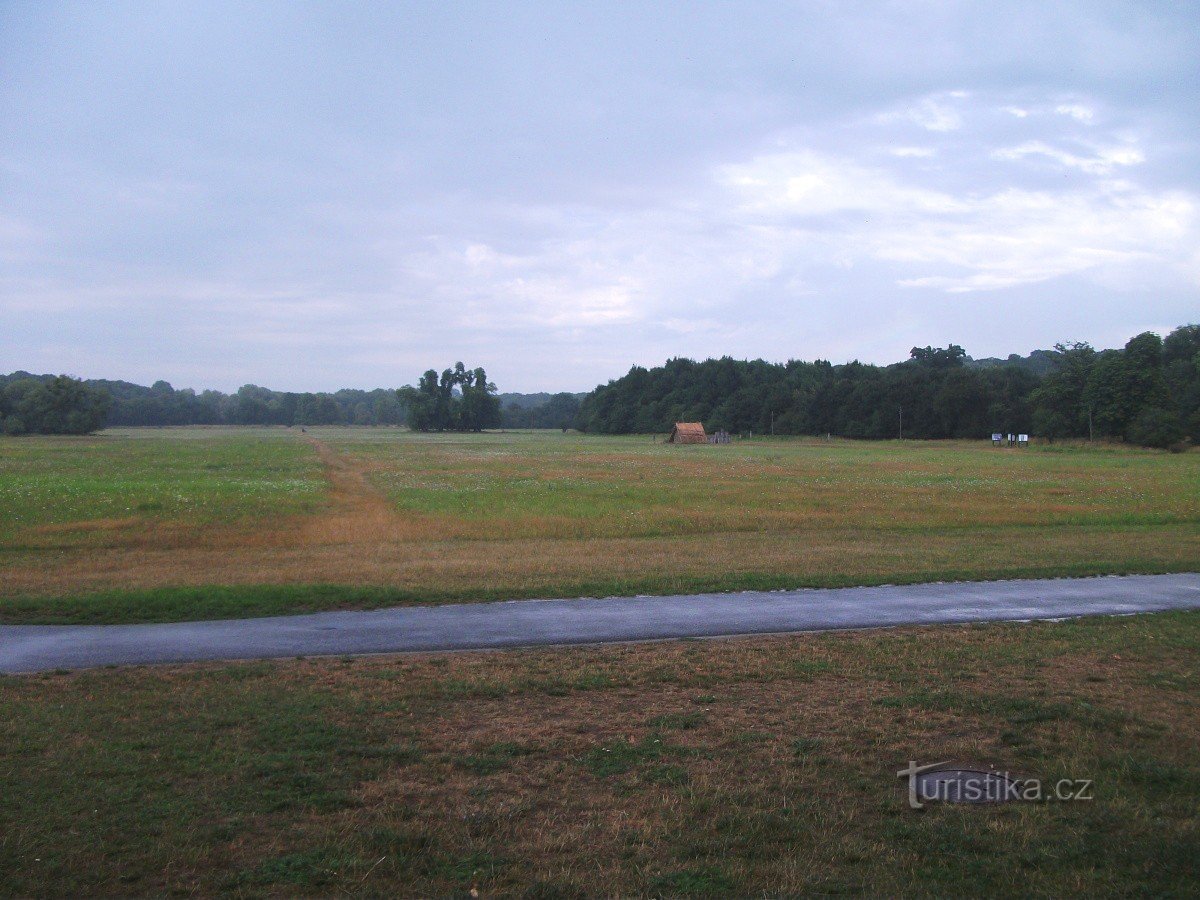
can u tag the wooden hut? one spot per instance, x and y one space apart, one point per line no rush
688 433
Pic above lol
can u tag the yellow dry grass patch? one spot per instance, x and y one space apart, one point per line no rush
85 526
549 566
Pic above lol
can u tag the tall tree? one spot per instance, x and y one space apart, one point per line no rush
461 399
1060 406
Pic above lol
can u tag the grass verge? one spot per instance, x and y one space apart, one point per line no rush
208 602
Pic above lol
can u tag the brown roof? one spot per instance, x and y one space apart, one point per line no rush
688 433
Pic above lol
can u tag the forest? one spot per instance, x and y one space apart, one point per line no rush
161 404
1147 393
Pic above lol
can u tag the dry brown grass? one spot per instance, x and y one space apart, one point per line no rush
761 765
739 756
344 550
357 513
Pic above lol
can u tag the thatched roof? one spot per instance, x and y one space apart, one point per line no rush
688 433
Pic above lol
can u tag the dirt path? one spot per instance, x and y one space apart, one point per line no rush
358 512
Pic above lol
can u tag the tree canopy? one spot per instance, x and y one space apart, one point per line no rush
1147 393
58 405
461 399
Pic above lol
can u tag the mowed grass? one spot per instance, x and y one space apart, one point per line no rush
760 766
550 485
143 476
155 525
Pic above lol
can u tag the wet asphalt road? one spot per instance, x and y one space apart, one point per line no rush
521 623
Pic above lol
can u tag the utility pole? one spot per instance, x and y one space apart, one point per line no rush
1090 437
901 422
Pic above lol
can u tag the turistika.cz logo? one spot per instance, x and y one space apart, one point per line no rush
947 782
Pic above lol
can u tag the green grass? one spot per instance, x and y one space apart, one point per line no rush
588 771
493 758
203 476
604 486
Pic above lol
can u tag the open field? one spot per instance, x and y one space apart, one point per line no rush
154 525
738 766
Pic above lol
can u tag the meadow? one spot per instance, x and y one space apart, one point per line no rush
189 523
762 766
748 766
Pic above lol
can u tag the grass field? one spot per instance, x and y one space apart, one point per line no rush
749 766
161 524
746 766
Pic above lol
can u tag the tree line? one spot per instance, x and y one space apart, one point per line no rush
23 399
554 411
1146 393
122 403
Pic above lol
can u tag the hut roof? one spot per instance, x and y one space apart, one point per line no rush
688 433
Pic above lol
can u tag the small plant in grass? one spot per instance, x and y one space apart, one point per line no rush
397 754
553 890
804 747
492 759
678 721
595 681
307 868
619 757
707 880
668 775
808 669
1014 738
751 737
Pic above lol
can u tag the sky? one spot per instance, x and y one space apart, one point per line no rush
309 196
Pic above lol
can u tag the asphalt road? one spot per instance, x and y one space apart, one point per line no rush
521 623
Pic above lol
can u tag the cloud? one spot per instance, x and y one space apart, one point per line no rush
977 241
782 222
1076 111
937 112
748 241
1102 161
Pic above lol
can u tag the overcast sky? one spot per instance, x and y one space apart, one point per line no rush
325 195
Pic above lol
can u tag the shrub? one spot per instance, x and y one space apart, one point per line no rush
1156 427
